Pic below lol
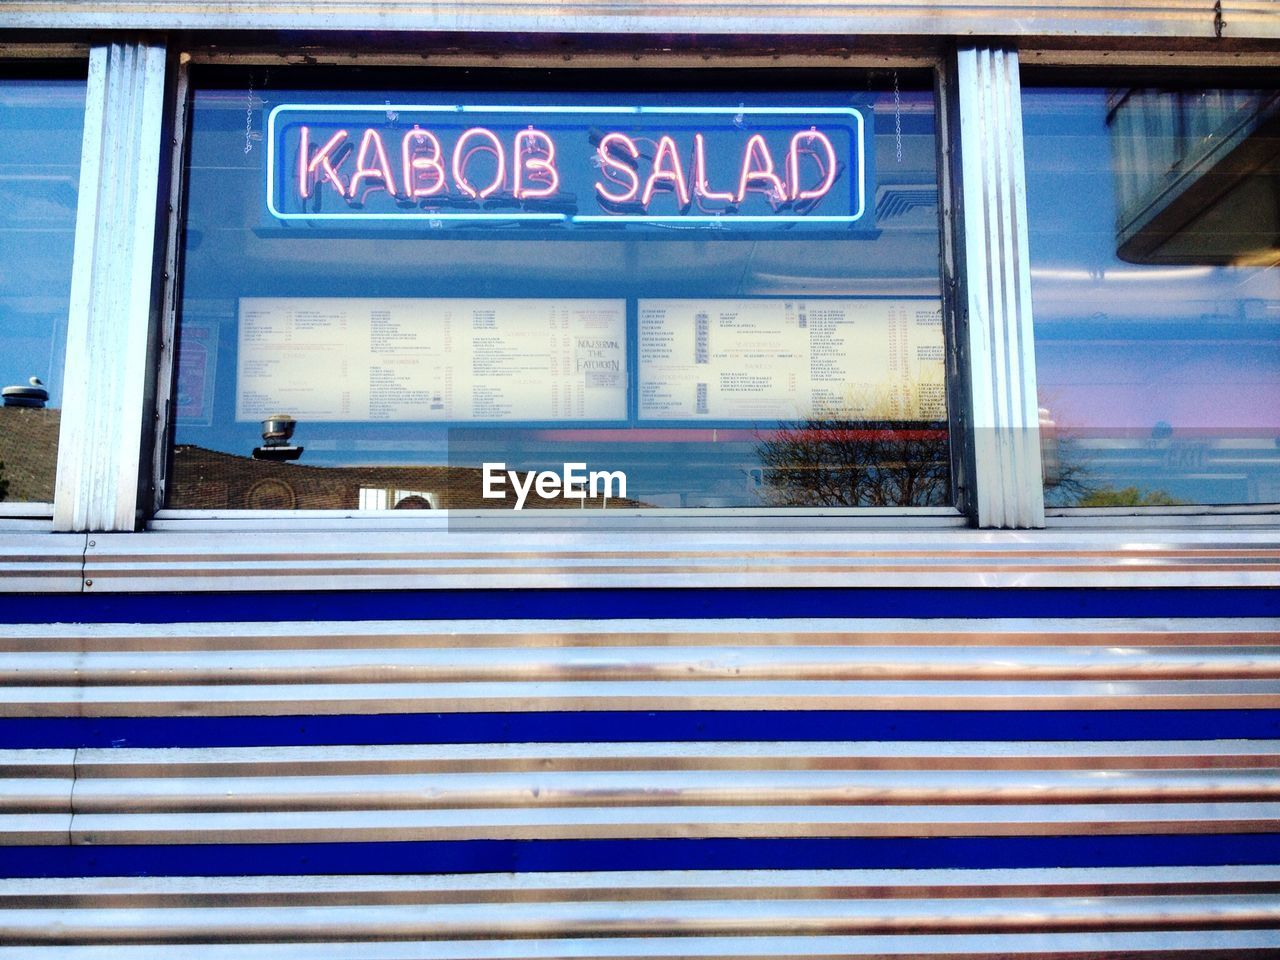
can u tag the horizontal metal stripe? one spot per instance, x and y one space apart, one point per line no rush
573 664
515 697
651 788
1208 945
442 557
778 633
282 795
39 561
1171 18
634 886
635 919
369 759
959 820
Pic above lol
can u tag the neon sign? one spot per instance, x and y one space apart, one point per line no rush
662 165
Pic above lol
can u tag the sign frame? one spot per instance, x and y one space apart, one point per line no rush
567 218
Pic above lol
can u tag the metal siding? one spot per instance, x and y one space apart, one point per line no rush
295 810
736 556
1004 18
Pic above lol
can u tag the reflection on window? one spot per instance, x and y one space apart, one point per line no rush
1155 234
41 123
398 299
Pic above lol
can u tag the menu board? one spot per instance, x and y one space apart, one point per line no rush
847 359
432 359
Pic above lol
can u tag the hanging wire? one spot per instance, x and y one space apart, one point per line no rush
248 118
897 118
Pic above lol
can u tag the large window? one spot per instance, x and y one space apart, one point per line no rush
1155 234
41 125
722 287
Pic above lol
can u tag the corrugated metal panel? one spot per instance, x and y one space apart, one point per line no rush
287 557
37 562
1136 18
442 666
98 800
664 908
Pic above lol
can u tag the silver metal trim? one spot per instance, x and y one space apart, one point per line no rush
171 293
24 510
254 669
109 330
996 291
1070 18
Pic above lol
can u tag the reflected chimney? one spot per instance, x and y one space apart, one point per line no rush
277 431
32 394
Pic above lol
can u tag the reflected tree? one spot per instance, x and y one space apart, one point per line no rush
841 463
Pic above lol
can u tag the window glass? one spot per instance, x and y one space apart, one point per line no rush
41 126
1155 234
719 292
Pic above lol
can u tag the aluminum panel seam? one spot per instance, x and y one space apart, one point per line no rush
109 327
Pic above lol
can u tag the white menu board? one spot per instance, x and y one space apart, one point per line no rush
432 359
863 359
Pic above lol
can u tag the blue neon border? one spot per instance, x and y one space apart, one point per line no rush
564 217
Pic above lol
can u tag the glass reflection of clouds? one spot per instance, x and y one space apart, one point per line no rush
1160 379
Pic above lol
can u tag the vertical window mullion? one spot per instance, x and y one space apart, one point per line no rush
995 284
109 337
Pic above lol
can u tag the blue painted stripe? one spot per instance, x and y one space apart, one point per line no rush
526 856
624 727
606 604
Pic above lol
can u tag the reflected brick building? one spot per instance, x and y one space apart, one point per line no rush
210 480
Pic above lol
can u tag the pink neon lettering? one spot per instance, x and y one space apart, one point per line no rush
608 163
415 165
320 161
372 141
538 167
461 156
793 165
674 175
700 185
756 147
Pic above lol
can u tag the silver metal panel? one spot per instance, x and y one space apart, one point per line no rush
377 698
37 562
1194 945
630 919
1136 18
996 285
109 328
709 661
755 789
286 557
658 632
632 885
337 667
625 822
